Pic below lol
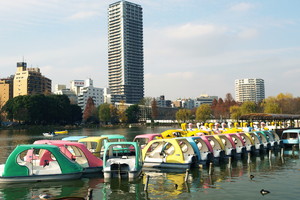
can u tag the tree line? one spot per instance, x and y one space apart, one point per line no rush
56 109
41 109
229 109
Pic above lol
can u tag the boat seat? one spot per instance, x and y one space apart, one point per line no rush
130 161
204 155
52 168
188 158
217 152
155 154
29 166
170 151
82 161
184 148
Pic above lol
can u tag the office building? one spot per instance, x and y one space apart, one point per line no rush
6 90
249 89
204 99
29 81
162 102
125 52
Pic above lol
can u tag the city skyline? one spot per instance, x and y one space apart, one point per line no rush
190 47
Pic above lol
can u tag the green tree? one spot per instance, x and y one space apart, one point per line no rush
61 104
133 113
270 105
235 112
20 109
8 109
183 115
114 113
203 112
104 113
121 112
41 109
248 107
75 114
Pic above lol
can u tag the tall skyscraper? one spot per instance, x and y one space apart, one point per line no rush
125 52
249 89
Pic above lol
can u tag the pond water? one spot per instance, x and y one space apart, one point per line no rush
279 175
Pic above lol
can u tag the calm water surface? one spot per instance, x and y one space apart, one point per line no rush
280 176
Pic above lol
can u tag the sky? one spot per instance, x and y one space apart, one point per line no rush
191 47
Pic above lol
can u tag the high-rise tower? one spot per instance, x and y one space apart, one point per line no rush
249 89
125 52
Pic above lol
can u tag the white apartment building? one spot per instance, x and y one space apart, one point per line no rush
249 89
76 85
88 90
63 90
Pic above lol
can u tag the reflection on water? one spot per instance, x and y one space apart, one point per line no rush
224 182
54 189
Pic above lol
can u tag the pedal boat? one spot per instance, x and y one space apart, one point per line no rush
247 141
291 137
270 139
203 150
240 146
175 153
61 132
34 163
218 151
79 153
94 144
227 145
264 140
173 133
120 161
277 139
115 138
144 139
49 134
258 144
75 138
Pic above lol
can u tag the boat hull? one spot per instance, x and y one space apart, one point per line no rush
90 170
165 165
39 178
131 175
49 135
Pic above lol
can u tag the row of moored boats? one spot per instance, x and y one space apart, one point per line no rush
114 156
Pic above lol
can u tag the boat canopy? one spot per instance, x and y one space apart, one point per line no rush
268 116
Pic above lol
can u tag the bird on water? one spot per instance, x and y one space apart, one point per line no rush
264 192
251 176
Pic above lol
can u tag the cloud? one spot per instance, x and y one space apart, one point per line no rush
83 15
192 31
193 58
242 7
248 33
182 75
